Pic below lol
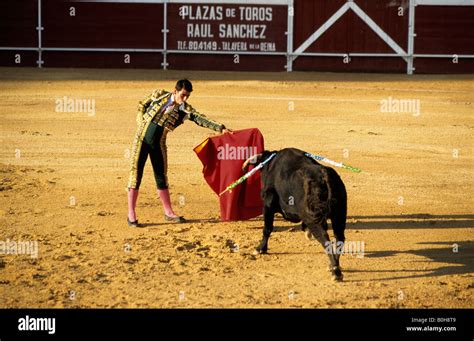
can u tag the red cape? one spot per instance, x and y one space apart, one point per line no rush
222 157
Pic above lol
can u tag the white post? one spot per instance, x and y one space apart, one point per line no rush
165 34
39 28
411 37
289 36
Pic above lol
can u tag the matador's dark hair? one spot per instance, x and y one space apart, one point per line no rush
184 83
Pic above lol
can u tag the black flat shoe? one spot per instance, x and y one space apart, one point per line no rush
175 219
132 223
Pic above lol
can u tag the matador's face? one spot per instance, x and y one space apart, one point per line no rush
181 96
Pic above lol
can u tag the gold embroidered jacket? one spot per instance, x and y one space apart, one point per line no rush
150 110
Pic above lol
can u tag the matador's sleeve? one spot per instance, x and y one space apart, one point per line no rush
143 104
200 119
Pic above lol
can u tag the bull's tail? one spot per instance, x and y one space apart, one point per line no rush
318 196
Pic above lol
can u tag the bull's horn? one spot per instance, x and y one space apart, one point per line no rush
252 159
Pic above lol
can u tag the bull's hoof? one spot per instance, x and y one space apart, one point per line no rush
337 274
259 252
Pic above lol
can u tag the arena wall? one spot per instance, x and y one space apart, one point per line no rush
400 36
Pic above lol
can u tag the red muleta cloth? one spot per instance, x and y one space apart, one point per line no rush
222 157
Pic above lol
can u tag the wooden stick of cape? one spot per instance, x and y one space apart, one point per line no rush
247 175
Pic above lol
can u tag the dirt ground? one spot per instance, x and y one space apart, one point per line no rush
63 178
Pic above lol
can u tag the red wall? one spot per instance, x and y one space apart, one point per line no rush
439 29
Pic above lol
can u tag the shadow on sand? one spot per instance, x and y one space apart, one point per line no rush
408 221
460 256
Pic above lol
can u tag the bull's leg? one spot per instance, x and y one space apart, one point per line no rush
338 227
323 238
303 226
337 248
268 216
330 248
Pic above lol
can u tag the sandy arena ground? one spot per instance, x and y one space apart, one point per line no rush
63 178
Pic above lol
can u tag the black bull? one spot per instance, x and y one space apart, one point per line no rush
303 190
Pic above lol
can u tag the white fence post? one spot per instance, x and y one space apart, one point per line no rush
411 37
39 28
165 34
289 36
